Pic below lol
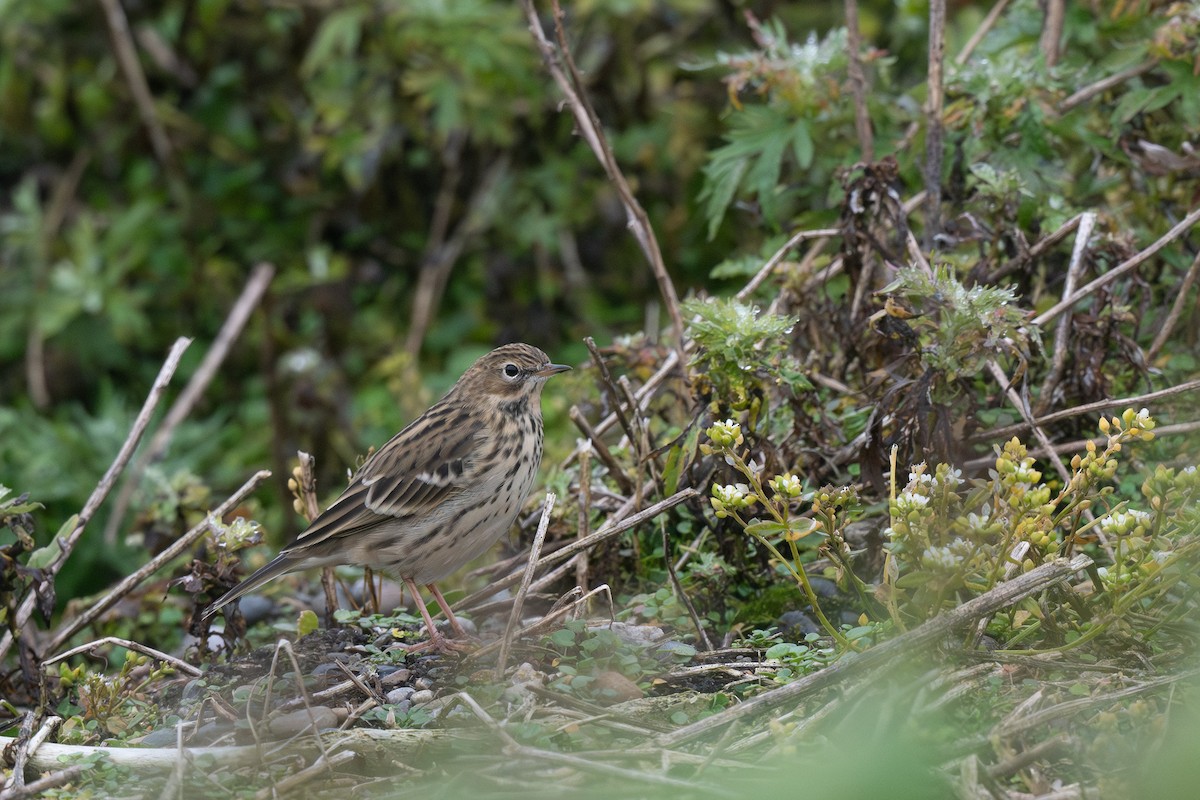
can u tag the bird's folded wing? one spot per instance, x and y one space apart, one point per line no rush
407 477
406 481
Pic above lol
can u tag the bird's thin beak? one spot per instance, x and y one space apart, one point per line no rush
551 369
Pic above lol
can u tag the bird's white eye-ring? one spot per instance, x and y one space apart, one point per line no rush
511 371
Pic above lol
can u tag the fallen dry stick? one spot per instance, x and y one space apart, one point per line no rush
853 664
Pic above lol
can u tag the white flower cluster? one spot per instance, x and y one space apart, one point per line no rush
1125 523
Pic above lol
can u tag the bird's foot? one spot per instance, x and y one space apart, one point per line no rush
439 644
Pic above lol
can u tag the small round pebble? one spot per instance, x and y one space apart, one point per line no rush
674 647
322 670
797 624
399 694
390 675
255 608
638 635
161 737
421 697
822 587
467 625
301 720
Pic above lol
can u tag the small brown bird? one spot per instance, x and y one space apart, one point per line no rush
441 491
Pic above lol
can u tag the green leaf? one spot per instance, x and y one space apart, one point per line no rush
308 622
679 458
802 144
766 529
45 556
21 508
339 34
563 638
913 580
799 527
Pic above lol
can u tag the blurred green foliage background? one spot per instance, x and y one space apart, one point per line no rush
353 145
407 168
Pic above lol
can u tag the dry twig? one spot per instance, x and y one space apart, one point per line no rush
1081 96
131 67
166 658
615 526
75 624
252 293
1181 298
777 257
67 544
1086 223
51 780
933 121
988 23
858 84
1128 265
535 550
561 65
1133 401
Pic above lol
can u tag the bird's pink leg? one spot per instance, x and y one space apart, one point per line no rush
445 607
436 640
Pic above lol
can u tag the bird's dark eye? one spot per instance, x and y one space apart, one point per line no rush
512 370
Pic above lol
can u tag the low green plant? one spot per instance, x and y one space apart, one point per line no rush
100 706
777 496
740 352
956 329
951 539
583 653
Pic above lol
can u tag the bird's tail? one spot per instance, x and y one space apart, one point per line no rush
284 562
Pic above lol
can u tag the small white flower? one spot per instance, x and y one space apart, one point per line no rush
726 434
940 558
907 502
787 485
919 476
1125 522
949 477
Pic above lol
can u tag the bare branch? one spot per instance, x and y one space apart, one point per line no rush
1128 265
1086 223
858 84
988 23
1135 401
256 286
1181 298
1088 92
125 586
131 67
774 260
67 544
514 616
166 658
560 63
1052 30
933 117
